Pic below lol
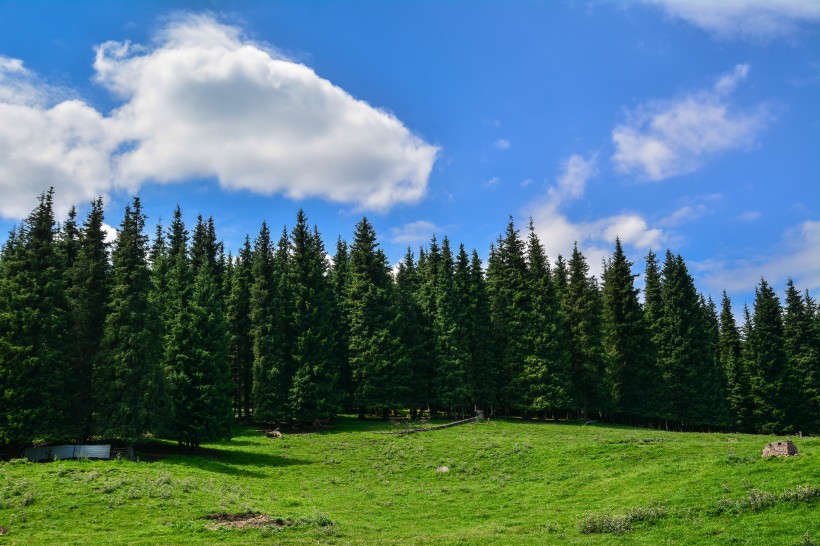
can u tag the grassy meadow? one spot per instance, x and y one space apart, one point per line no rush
507 483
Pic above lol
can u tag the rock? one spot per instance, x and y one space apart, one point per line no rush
275 434
785 448
442 469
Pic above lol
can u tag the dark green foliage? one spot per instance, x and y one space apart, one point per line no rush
684 351
264 315
735 368
802 343
768 365
88 294
339 279
480 369
546 372
313 390
128 382
240 348
450 327
196 352
379 371
582 305
509 307
631 370
414 333
33 324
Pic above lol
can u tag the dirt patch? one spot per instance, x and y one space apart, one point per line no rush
247 520
3 531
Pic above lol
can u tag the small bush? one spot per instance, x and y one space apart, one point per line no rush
618 524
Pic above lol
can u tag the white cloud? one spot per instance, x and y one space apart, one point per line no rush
798 259
747 19
558 233
503 144
571 183
527 182
204 101
662 139
750 216
417 232
492 182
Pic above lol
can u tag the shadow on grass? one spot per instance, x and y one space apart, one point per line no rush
214 459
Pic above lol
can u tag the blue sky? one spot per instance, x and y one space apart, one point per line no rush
690 125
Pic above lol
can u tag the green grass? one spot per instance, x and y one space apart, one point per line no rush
508 483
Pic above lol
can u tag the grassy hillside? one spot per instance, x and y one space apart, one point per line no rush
508 483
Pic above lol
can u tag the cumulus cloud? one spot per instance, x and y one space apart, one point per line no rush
800 248
558 233
668 138
413 233
745 19
204 101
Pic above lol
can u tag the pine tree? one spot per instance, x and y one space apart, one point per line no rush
626 339
197 369
340 278
88 293
379 377
240 349
34 398
769 365
734 368
450 334
509 306
128 382
481 372
425 376
263 329
802 345
658 403
414 338
313 394
582 304
547 366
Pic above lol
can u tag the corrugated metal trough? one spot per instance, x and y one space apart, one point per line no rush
68 452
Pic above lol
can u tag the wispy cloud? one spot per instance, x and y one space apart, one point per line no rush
750 216
667 138
204 101
502 144
796 257
413 233
558 233
492 182
744 19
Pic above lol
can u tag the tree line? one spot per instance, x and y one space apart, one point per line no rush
172 337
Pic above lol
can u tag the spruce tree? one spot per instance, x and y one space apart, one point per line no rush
658 402
414 338
313 390
734 368
88 293
379 376
626 339
35 398
582 304
802 345
510 306
128 382
263 327
240 348
339 278
481 372
546 370
768 370
450 334
197 368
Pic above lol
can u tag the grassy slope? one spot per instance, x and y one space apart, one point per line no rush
509 483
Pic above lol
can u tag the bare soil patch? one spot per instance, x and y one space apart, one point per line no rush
247 520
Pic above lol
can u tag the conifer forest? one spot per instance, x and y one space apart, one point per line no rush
164 332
